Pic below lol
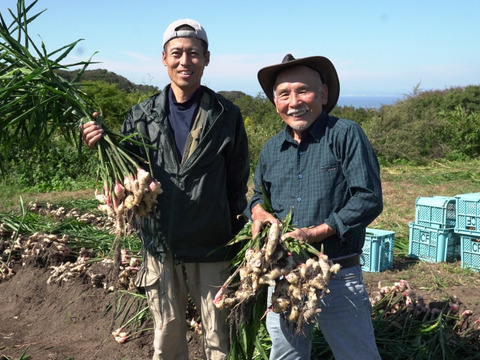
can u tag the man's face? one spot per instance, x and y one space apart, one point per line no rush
185 60
299 96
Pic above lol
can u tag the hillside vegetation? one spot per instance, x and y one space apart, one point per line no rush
425 126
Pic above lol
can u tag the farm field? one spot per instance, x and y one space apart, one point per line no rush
75 320
67 293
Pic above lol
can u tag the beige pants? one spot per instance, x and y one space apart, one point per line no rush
167 287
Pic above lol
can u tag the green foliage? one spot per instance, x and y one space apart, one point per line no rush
58 165
52 166
111 101
461 132
231 95
38 105
114 102
34 101
359 115
395 135
427 126
261 123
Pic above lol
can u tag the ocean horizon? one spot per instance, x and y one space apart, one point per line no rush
368 101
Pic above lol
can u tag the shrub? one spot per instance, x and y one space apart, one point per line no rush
55 166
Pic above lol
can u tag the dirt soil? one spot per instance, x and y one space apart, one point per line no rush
75 320
70 321
61 322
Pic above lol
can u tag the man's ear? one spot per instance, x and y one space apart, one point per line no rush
207 58
324 94
164 58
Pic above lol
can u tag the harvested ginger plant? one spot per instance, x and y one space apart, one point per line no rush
37 102
137 195
298 272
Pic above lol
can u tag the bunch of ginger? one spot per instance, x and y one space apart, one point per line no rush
300 280
138 195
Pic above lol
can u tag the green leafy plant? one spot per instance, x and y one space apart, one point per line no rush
34 101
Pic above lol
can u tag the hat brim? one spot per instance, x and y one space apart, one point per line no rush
267 76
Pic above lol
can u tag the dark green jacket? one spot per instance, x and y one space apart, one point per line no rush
196 214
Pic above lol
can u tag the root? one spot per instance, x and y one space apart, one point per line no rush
299 286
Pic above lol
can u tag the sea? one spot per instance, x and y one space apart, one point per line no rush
368 101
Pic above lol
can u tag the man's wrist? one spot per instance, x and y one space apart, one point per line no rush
320 233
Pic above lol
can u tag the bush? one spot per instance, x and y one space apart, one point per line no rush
461 132
114 103
56 166
427 126
359 115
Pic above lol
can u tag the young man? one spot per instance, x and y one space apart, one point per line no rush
327 171
201 160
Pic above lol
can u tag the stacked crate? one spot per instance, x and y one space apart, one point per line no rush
377 252
468 228
432 234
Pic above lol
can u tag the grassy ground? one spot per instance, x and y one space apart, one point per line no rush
402 185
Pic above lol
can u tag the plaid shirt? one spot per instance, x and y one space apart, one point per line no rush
332 176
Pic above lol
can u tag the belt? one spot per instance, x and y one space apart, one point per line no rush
350 261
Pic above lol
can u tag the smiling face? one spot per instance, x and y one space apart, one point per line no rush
185 59
299 96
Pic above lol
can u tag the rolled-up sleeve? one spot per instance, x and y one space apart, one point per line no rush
362 174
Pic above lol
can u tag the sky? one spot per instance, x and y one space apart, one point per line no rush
378 47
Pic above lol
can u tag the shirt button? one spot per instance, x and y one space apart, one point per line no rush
299 199
300 176
301 153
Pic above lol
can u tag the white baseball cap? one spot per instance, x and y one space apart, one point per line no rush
196 31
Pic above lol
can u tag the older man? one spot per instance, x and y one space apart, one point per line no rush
200 156
327 171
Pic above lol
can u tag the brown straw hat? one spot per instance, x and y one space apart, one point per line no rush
268 75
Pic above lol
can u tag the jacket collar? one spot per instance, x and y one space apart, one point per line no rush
216 104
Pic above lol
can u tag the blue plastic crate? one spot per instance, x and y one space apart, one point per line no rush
435 211
470 252
468 214
433 244
377 252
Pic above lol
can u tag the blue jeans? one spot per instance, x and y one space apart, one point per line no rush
345 322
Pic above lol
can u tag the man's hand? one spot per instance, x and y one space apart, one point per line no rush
260 217
91 133
310 235
302 235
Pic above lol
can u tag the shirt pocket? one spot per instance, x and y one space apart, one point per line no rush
330 178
